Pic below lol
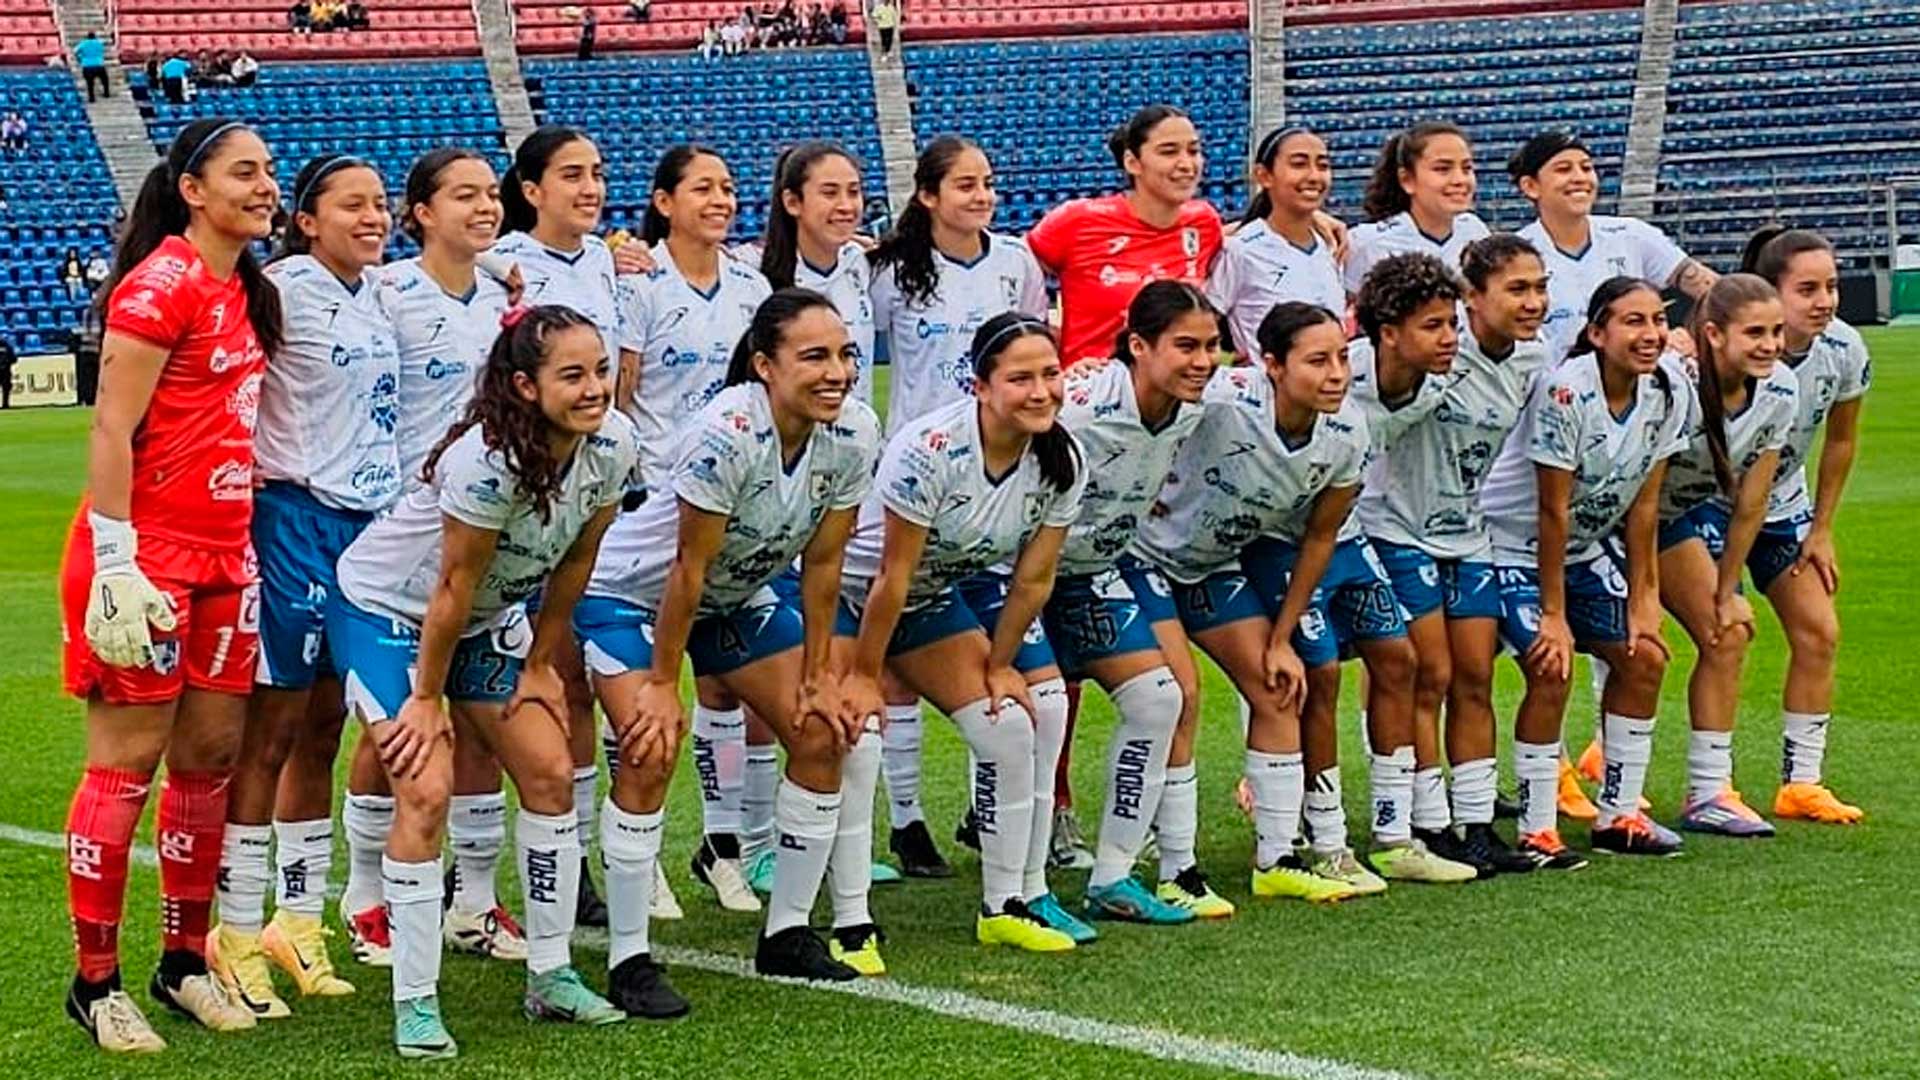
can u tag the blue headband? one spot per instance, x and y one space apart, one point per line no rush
334 164
206 142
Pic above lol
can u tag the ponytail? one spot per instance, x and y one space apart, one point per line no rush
1385 195
530 163
1053 448
1131 137
780 243
908 246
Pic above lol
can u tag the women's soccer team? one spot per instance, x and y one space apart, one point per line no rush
465 498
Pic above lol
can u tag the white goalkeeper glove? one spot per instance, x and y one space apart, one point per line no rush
121 601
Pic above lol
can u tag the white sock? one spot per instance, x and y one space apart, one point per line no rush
586 796
1474 784
1178 822
477 831
1628 747
548 846
900 762
367 820
807 820
1326 813
244 877
412 895
1390 788
1278 782
1003 783
1430 811
1709 764
631 845
1049 736
850 862
1149 710
302 858
756 799
1803 747
1536 767
720 761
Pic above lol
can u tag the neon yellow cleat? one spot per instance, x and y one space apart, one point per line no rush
1412 861
858 947
1290 877
298 943
1190 890
1020 928
1344 866
237 960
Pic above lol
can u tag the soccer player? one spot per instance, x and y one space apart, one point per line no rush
1713 505
962 489
514 498
771 470
1586 461
1419 199
327 462
1277 254
157 583
938 275
1421 509
809 240
1799 568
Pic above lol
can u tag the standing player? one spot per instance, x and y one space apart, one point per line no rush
158 595
514 498
327 463
1419 199
1587 461
1277 254
770 470
811 221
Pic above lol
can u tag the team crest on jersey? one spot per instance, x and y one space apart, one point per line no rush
1190 241
818 485
737 420
1563 395
244 402
937 440
1317 474
1010 290
1035 505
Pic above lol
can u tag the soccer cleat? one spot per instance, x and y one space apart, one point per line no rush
1019 927
1814 802
1571 798
1549 852
491 934
562 995
1636 834
1149 850
370 936
1726 814
1049 910
115 1022
1068 850
1127 900
725 877
797 953
418 1031
967 833
588 908
1289 877
298 943
638 987
1451 846
237 960
1189 889
879 873
1412 861
858 947
757 868
913 846
204 999
1593 762
1486 846
666 906
1342 866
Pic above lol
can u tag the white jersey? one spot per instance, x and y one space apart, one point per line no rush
1369 243
330 403
394 566
1567 425
1259 268
1424 490
848 283
1238 479
444 341
929 344
685 338
581 280
1761 425
1125 463
1835 370
728 462
1387 422
933 473
1616 246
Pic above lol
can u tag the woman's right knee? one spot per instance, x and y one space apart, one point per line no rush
425 797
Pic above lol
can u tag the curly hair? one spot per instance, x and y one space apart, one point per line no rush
1400 285
510 424
1489 255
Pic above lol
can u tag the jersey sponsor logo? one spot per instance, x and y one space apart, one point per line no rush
438 369
937 439
1130 777
231 481
244 402
925 328
487 490
375 477
140 305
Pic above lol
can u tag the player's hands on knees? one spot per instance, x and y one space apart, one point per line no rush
1817 554
1005 684
1284 671
540 685
1643 630
122 603
406 741
1732 615
1550 656
652 732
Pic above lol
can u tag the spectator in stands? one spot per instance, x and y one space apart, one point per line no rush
98 270
73 274
710 41
246 70
357 17
85 343
3 200
13 131
300 17
837 22
7 359
640 10
733 36
174 72
589 27
886 19
92 56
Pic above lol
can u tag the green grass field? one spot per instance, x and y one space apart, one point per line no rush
1786 958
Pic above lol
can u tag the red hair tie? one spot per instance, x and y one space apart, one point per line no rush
511 317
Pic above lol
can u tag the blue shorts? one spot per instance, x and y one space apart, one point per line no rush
1463 588
1774 552
298 541
1354 603
986 596
1596 603
1091 617
617 636
1223 597
377 654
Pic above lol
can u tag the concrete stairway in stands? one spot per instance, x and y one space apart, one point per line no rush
1640 171
495 19
1267 79
894 110
115 119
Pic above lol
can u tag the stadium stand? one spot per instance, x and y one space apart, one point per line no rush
553 26
400 28
27 31
58 197
747 107
1024 18
1043 109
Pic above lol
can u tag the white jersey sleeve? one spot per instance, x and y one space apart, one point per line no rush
1257 268
582 280
443 341
1398 235
1125 466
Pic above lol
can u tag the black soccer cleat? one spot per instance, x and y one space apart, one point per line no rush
638 987
913 846
798 953
1485 845
1447 844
